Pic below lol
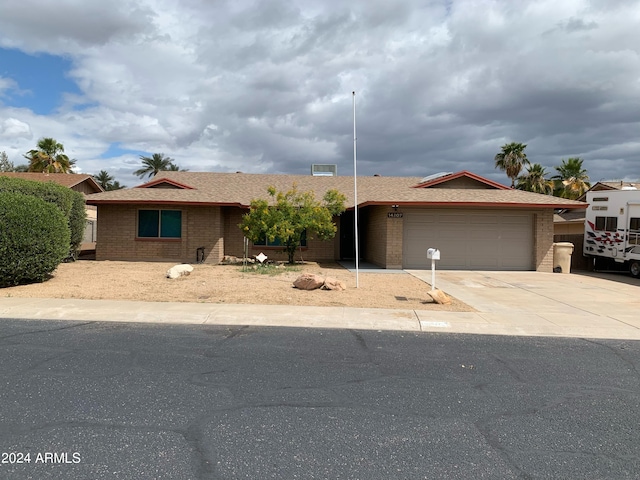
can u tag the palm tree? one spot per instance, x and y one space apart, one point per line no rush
572 180
116 186
175 168
104 179
511 159
49 157
534 180
153 164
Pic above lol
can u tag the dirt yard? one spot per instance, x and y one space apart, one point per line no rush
146 281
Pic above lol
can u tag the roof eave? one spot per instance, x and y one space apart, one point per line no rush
475 204
94 201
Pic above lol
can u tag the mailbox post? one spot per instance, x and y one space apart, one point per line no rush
433 254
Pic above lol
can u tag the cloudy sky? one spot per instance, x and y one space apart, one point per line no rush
266 86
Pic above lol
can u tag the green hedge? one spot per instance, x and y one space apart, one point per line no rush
70 203
34 239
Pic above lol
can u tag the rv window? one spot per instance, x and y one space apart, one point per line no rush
634 224
600 223
608 224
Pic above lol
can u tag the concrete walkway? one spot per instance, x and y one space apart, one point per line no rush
506 303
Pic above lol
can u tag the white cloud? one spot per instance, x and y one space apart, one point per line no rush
11 128
439 86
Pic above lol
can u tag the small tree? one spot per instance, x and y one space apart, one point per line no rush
291 215
5 164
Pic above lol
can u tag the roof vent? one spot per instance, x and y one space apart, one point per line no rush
434 176
324 170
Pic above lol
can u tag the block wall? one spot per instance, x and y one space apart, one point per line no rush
543 242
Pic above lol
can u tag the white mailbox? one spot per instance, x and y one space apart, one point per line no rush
433 254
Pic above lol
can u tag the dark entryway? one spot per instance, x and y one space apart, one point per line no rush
347 236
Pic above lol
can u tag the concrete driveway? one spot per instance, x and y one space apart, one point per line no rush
533 303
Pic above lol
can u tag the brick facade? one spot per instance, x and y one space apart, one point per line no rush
117 232
216 229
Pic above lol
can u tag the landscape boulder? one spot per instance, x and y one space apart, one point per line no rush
179 270
308 281
333 284
439 297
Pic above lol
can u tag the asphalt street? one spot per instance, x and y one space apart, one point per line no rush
142 401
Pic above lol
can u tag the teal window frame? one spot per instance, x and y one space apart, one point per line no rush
158 223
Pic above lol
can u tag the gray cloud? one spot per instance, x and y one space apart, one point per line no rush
266 85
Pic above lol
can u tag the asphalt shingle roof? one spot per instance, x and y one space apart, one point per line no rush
65 179
239 189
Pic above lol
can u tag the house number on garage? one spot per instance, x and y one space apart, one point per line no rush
395 214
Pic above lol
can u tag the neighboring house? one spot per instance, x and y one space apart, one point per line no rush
79 182
475 222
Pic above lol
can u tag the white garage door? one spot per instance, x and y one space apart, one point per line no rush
483 239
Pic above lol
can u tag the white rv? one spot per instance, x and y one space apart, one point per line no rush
612 228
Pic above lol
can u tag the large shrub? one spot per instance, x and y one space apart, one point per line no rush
77 223
34 239
70 203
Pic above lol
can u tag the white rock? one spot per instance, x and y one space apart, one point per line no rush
179 270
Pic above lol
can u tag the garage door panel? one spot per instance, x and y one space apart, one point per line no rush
469 240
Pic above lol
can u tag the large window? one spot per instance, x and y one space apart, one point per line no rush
159 224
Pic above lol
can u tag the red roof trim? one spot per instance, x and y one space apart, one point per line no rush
158 181
476 204
463 173
93 201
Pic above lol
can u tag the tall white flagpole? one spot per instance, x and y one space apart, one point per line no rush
355 187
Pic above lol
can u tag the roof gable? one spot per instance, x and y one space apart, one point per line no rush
165 183
462 179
